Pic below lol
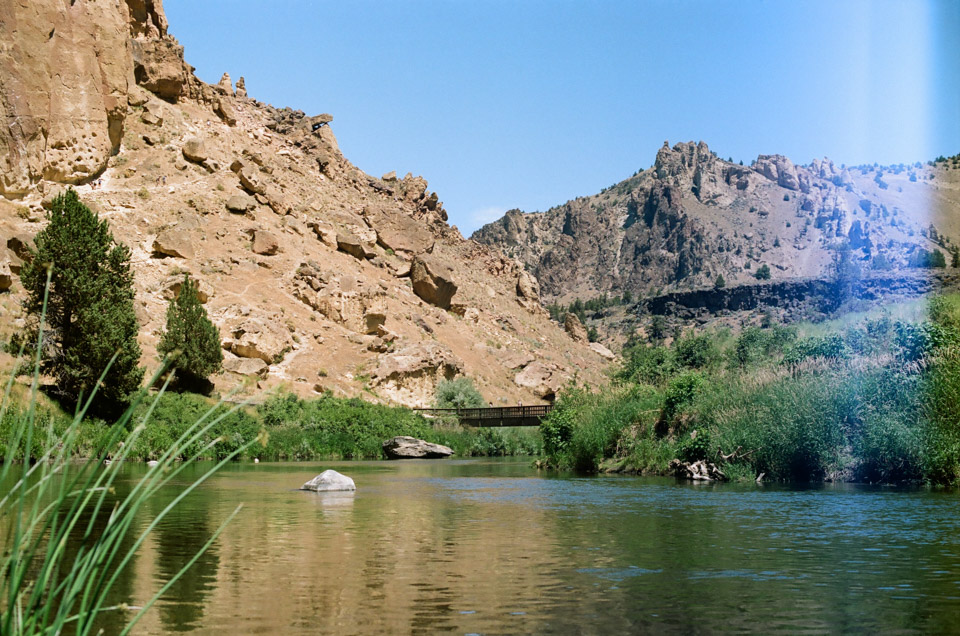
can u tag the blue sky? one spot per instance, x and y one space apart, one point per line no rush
530 103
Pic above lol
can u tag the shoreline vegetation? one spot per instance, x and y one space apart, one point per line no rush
869 399
296 429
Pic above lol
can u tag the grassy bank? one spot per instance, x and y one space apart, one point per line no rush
875 399
298 429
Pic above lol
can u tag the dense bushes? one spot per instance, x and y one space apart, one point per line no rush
877 401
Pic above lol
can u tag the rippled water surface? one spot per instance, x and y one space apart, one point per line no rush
492 546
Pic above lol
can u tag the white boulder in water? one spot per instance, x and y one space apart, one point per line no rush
403 447
329 481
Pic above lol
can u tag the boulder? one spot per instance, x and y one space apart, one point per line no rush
354 245
245 366
6 277
250 180
403 447
194 150
390 177
174 242
542 378
240 203
241 87
602 351
325 232
528 289
265 243
575 328
329 481
433 280
226 112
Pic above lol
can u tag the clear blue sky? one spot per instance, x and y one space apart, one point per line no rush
529 103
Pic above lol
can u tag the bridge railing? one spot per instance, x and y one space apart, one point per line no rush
495 415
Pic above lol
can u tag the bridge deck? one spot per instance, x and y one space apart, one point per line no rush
496 416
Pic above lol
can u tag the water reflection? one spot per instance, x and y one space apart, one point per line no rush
489 546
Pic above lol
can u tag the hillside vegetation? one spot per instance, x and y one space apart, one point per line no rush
874 398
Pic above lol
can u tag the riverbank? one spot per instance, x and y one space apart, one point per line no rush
872 400
295 429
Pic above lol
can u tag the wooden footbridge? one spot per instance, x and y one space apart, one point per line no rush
494 416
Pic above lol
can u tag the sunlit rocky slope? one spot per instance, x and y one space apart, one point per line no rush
694 216
319 276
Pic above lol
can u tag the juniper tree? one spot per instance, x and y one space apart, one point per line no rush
190 336
90 316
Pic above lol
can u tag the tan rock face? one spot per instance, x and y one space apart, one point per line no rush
66 70
411 374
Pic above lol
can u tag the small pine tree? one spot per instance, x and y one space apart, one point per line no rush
720 283
90 316
763 272
955 257
190 333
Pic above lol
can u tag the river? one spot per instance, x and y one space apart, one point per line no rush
493 546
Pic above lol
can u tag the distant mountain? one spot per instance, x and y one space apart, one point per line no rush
693 217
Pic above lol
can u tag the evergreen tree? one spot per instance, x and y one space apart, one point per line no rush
90 314
191 335
763 272
720 283
955 257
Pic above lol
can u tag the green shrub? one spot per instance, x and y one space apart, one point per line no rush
459 393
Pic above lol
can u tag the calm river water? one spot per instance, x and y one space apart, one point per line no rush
493 546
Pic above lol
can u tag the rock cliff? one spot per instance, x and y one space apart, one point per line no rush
693 216
319 276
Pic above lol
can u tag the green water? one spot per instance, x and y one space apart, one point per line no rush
493 546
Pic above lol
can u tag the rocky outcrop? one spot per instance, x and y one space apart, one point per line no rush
6 277
528 290
403 447
256 338
433 280
575 328
410 374
329 481
693 217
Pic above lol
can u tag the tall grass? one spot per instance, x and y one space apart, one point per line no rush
67 535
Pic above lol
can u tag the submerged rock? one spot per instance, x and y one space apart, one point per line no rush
402 447
329 481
